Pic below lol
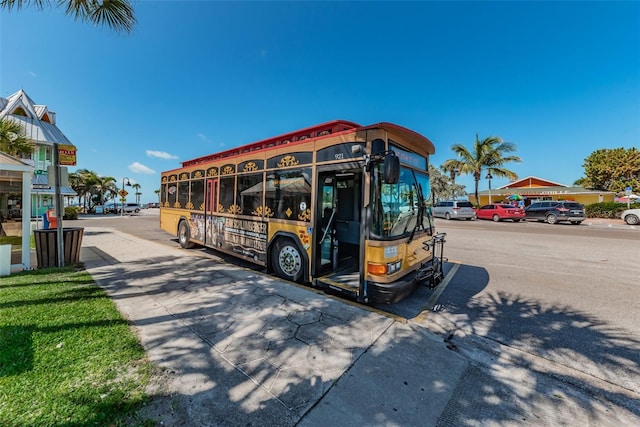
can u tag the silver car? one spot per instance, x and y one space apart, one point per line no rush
454 209
631 216
131 208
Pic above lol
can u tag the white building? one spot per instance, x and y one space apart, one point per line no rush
39 126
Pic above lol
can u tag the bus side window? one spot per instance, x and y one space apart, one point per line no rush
212 200
197 194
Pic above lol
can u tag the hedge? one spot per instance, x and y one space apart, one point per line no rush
607 209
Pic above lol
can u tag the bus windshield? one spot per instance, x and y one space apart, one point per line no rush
400 208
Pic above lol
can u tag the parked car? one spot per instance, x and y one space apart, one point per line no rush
631 216
112 208
454 209
500 211
555 211
131 208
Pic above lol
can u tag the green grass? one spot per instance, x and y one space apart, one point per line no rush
67 357
16 241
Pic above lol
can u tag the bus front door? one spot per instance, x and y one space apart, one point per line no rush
327 249
339 223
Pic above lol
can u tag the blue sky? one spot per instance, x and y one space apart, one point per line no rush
558 79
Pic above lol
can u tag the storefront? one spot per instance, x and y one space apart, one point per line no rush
15 207
531 188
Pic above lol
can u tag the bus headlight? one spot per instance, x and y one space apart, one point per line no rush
392 267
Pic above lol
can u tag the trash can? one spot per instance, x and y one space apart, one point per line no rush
47 246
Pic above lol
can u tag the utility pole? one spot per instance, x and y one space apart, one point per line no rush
58 205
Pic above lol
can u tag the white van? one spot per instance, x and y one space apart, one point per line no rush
454 209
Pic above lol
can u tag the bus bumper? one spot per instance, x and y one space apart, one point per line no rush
389 293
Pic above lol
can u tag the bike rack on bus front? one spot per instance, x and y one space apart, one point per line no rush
432 272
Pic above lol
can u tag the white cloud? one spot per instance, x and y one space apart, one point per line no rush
32 74
203 137
140 168
161 154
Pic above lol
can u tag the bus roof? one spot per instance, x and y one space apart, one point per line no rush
418 141
328 128
317 131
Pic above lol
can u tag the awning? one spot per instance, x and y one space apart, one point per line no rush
40 185
65 191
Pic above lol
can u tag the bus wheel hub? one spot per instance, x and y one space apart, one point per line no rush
290 261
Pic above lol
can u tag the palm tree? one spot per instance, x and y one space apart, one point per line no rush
487 155
13 140
136 187
104 188
82 182
116 14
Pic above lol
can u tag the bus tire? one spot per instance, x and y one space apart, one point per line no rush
184 235
287 260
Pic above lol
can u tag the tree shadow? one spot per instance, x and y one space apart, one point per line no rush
240 348
536 356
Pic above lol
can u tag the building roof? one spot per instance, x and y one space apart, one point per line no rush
530 182
37 122
8 162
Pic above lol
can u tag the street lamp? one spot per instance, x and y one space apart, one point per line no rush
453 173
489 177
122 198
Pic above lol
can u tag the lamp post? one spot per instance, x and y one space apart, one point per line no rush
122 199
489 177
453 173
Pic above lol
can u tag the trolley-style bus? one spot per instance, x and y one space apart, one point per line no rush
338 206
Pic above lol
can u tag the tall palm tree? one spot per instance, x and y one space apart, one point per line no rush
104 188
82 182
13 140
116 14
136 187
486 155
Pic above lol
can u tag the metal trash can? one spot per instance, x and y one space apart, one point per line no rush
47 246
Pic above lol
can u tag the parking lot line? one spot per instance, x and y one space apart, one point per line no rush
431 302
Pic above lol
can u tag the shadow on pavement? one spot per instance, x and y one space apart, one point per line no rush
240 348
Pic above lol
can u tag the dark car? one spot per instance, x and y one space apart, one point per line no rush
554 211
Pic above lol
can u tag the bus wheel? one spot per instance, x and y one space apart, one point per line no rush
184 235
287 260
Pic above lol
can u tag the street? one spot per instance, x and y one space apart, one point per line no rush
566 294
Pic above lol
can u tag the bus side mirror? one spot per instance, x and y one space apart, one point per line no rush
391 169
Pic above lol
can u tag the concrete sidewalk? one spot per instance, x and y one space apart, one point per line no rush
240 348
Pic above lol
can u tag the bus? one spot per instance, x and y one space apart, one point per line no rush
337 206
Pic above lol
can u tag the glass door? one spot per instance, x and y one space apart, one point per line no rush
326 225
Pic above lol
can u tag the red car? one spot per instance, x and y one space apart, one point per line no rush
500 211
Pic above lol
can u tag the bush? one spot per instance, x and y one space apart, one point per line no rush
607 209
71 212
